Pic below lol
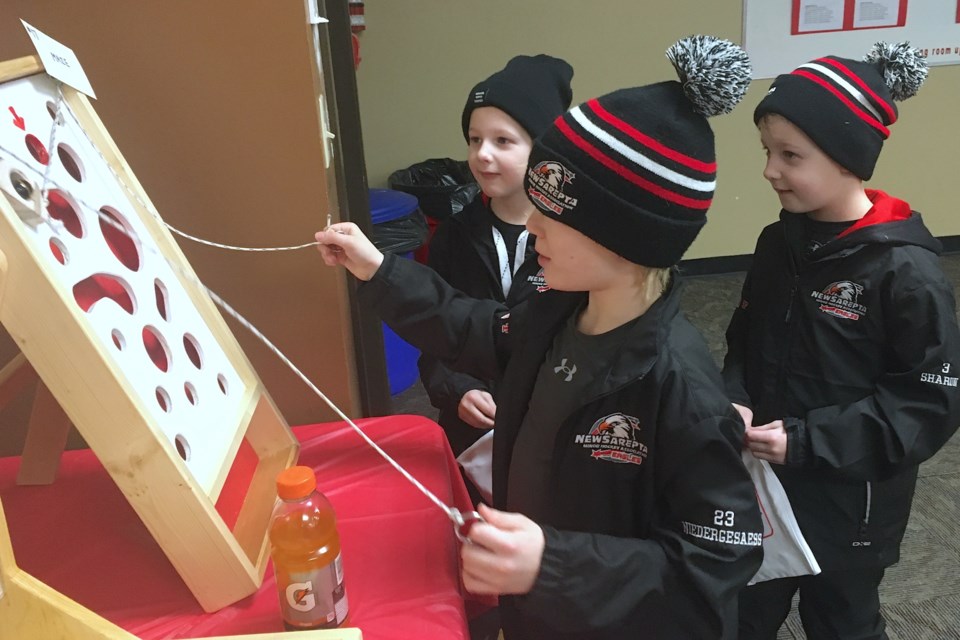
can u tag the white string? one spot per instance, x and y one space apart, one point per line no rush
51 146
452 513
210 243
252 329
139 200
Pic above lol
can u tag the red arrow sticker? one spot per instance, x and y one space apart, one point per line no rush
17 120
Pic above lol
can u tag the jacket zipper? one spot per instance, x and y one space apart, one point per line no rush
784 353
793 295
863 542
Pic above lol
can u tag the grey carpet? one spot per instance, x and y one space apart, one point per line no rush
921 595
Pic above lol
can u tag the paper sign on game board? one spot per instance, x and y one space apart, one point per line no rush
59 61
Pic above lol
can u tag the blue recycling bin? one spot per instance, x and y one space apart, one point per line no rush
398 227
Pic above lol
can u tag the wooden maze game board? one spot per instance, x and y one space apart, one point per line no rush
106 309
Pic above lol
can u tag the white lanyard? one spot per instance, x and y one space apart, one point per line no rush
506 274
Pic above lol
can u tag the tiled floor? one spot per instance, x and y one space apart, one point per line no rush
921 594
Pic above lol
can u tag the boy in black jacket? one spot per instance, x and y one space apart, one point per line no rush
622 508
484 250
844 348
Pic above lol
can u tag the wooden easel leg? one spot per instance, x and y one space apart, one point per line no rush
49 426
15 378
46 439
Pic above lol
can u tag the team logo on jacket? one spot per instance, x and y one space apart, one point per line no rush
545 186
538 281
839 299
614 438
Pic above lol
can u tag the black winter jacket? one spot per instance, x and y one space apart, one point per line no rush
857 348
646 538
463 253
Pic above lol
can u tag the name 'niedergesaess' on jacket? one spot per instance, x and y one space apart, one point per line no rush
723 536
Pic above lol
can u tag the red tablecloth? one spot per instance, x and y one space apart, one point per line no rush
400 556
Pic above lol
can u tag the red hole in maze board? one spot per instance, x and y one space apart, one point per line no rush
57 252
98 287
191 392
60 208
37 150
160 293
163 399
156 349
183 447
70 162
193 350
119 238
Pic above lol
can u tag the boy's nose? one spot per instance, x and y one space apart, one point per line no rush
484 152
533 223
770 172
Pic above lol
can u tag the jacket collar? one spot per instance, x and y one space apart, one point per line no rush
476 220
885 209
646 338
889 221
641 346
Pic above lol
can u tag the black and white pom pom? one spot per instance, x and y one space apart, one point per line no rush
904 68
715 73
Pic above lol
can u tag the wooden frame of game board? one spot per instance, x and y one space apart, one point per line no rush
219 564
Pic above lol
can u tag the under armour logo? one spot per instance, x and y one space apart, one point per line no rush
565 369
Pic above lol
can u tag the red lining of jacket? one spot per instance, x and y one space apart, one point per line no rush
885 209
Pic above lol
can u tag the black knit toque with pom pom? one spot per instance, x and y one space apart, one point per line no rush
845 106
635 170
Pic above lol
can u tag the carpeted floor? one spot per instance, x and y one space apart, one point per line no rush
921 594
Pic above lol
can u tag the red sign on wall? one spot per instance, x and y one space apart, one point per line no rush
820 16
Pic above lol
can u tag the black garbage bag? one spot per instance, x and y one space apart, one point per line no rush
401 235
442 185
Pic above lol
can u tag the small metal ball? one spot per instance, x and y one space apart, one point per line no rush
21 185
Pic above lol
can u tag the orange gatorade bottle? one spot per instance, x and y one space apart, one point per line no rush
305 549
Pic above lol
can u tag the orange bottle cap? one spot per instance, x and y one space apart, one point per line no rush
295 483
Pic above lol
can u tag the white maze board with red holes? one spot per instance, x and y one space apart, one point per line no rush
106 308
132 297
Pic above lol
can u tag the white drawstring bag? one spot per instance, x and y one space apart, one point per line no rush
785 552
477 463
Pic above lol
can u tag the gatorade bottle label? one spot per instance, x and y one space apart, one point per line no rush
315 599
